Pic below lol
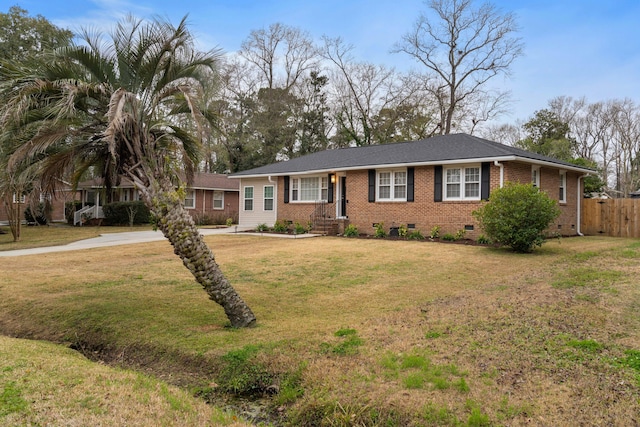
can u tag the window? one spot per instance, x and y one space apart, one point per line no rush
309 189
392 185
268 197
462 183
535 176
562 195
190 199
20 199
218 200
248 198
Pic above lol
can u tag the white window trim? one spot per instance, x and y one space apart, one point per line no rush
535 180
392 190
213 201
563 186
23 198
245 198
265 198
463 183
193 197
296 185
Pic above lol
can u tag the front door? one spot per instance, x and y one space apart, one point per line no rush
343 197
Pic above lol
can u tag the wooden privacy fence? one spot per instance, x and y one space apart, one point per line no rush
611 217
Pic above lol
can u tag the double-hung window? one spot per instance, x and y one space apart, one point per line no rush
20 199
309 189
462 183
218 200
392 185
190 199
268 198
562 194
248 198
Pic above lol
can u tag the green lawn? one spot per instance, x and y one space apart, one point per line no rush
56 234
356 331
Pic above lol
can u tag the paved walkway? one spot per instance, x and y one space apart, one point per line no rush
127 238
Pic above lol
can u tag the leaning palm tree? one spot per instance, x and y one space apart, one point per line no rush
126 106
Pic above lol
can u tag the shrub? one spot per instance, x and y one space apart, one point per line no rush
120 213
262 227
435 232
380 233
280 227
415 235
299 228
403 230
517 216
40 216
351 231
449 237
203 219
213 218
460 234
483 240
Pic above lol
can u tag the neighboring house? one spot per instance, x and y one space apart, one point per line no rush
56 205
437 181
210 198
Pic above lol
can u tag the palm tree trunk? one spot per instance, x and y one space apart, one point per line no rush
178 226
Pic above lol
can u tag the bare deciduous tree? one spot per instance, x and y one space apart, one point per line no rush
464 48
362 91
282 54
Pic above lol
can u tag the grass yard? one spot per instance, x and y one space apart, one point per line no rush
56 234
350 332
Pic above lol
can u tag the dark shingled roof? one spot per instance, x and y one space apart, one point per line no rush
201 180
438 149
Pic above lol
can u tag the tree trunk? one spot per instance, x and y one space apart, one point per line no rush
178 226
14 216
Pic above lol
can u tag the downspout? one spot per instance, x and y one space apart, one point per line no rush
501 166
579 206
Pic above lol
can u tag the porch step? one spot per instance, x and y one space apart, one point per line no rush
326 227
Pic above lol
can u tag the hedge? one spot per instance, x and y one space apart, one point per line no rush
117 213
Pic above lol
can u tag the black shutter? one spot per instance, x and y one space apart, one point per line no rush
286 189
329 189
372 185
437 184
410 173
485 180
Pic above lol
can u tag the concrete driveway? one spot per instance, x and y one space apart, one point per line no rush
127 238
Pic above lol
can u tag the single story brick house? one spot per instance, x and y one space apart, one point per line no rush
436 181
56 205
210 197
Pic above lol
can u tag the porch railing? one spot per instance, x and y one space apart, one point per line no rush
319 214
87 212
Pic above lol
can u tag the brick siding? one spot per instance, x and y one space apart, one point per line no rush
424 212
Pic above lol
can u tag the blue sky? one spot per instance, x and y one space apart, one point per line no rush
575 48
